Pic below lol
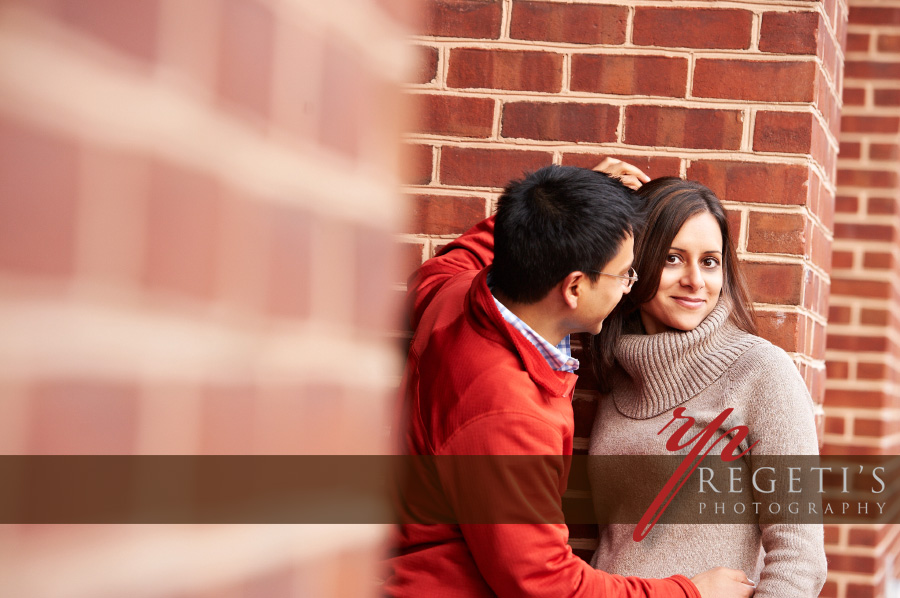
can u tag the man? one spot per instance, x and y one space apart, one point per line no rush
489 373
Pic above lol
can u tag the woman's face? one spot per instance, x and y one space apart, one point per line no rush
691 279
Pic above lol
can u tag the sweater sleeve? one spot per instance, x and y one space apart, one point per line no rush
780 417
529 560
474 250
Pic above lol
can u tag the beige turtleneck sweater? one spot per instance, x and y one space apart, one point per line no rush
706 370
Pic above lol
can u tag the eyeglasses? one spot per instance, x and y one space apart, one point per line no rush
627 281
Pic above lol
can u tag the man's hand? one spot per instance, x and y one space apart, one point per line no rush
723 583
631 176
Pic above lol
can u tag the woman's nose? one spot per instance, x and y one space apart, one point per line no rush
693 278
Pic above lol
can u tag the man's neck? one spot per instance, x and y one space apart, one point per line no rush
538 317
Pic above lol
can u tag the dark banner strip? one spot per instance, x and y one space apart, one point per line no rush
450 489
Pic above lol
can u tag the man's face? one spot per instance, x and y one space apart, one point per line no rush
602 296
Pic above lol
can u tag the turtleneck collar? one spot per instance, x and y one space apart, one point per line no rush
668 368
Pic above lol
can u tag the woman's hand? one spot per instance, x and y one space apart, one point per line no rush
723 583
630 175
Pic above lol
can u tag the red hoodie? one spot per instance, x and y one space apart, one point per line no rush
475 386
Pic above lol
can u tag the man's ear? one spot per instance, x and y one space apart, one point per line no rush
571 288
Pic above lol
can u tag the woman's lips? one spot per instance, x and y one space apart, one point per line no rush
689 302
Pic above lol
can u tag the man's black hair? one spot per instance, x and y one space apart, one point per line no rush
553 222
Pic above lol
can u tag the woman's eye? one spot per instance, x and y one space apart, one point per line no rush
673 258
710 262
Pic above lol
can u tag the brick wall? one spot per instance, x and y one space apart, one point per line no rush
862 402
743 97
195 241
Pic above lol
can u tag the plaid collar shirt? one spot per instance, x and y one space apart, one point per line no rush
559 357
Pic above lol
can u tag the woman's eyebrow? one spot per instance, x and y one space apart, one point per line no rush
685 250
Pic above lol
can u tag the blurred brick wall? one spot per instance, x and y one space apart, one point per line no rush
196 207
743 98
862 400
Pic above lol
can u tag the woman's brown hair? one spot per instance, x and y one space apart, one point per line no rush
665 205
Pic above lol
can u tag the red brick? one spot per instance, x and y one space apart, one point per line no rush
652 166
862 590
427 63
569 23
887 97
864 232
884 151
821 150
694 128
857 343
445 214
38 210
505 69
775 283
630 75
246 53
878 260
781 329
869 371
864 69
488 167
867 178
765 81
437 245
789 132
863 537
757 183
832 532
857 399
417 163
454 115
131 27
790 32
852 563
377 266
776 233
243 245
226 420
692 28
870 124
889 43
290 261
560 121
345 82
846 204
734 223
871 15
182 231
881 205
828 52
873 289
84 417
854 96
820 250
857 42
875 317
837 370
842 259
850 149
829 590
478 19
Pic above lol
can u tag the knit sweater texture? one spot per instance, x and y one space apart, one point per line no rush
707 370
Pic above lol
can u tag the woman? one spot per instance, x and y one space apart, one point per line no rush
684 338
